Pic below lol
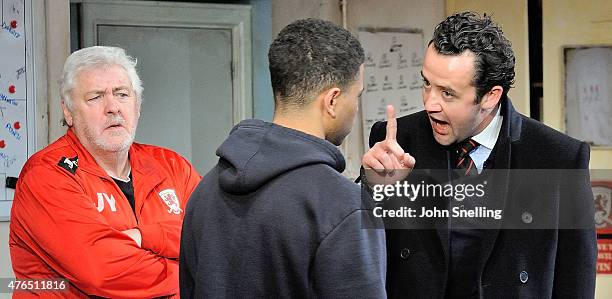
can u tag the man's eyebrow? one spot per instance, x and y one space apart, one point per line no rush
446 88
95 91
120 88
102 91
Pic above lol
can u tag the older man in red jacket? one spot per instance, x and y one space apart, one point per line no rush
94 208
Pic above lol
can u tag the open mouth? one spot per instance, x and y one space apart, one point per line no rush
439 126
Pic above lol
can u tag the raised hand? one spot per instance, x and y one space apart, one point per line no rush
387 158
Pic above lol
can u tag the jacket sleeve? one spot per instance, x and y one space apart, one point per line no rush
378 132
575 264
163 238
350 261
62 226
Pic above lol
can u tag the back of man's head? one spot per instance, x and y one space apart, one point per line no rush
309 56
494 58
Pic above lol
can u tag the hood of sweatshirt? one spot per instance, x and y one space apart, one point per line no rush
256 152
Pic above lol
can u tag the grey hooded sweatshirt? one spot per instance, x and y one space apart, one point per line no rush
276 219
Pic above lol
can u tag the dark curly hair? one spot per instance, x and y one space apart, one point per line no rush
494 61
309 56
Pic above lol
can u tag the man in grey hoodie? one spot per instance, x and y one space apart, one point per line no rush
275 218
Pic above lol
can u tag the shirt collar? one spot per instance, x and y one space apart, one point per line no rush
488 136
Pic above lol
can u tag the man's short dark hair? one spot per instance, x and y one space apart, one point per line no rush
494 61
309 56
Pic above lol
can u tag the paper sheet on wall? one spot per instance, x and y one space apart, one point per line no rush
16 95
392 74
588 96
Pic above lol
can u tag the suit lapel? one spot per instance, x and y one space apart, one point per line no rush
430 155
500 181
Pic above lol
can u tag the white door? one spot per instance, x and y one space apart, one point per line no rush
195 63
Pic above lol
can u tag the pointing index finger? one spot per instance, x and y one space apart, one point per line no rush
391 123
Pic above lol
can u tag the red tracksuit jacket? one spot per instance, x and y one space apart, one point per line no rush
68 215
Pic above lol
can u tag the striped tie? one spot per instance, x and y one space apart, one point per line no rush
464 161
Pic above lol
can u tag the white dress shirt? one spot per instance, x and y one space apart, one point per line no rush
487 139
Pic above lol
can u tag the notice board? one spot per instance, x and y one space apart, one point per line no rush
588 94
393 61
17 103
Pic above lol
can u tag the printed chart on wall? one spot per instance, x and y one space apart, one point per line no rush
588 90
16 97
392 74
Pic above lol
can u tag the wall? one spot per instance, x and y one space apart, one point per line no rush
262 38
287 11
58 32
571 23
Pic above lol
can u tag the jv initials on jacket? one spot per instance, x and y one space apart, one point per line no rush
111 201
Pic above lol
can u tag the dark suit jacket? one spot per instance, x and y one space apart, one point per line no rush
525 263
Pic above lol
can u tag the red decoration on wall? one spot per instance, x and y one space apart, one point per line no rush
13 24
2 144
604 256
16 125
12 89
602 200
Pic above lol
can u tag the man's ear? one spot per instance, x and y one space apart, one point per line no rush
67 114
330 100
139 107
491 98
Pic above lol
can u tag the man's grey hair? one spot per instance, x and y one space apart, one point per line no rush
97 56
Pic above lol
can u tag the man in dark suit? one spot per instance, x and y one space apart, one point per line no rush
545 244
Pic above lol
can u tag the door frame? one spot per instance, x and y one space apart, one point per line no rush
234 17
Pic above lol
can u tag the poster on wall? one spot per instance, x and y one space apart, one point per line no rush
17 137
588 94
393 60
604 256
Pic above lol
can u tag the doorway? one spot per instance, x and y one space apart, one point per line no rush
195 63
